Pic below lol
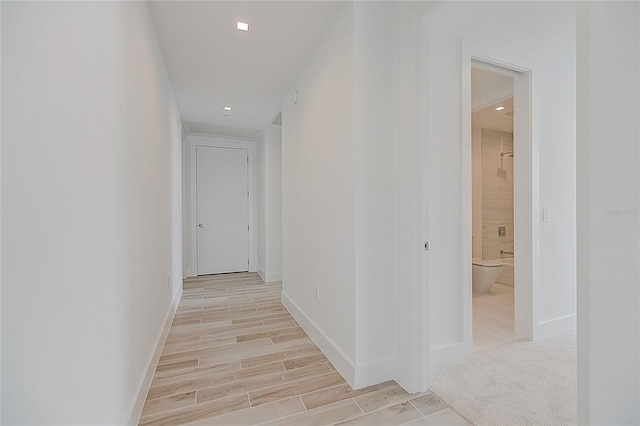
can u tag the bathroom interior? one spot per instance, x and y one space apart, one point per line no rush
492 207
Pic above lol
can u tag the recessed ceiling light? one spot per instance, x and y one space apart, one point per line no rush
227 108
242 26
499 108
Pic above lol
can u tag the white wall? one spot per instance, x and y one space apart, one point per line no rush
376 301
269 166
90 209
186 208
410 260
338 182
544 34
262 203
608 218
0 217
318 197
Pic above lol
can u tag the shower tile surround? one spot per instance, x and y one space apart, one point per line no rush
497 193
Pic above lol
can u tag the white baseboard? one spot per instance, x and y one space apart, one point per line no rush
143 389
262 273
556 326
376 372
339 360
273 276
269 277
449 354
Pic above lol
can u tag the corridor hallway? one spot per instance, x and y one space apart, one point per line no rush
235 356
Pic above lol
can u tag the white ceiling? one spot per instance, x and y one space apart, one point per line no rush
491 88
211 64
489 118
489 85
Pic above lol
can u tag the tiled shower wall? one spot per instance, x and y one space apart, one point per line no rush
497 193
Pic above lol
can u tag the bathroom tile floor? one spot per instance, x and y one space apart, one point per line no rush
493 317
234 356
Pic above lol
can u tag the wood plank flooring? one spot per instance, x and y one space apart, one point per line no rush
493 316
234 356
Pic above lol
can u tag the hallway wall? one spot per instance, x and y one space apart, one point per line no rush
91 215
318 197
542 34
269 147
608 213
337 183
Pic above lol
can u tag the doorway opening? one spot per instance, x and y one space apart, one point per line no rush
515 165
493 224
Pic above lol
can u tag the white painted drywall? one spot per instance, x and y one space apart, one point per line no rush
338 182
273 174
90 209
318 196
376 298
269 170
608 218
261 190
410 260
186 206
0 216
544 34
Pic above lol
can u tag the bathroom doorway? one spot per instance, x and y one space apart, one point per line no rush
493 225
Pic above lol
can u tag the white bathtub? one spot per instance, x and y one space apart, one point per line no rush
506 277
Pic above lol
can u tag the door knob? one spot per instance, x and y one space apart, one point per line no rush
200 225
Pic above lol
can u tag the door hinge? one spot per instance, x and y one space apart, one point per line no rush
247 227
247 193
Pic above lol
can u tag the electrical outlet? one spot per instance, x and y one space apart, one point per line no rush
317 293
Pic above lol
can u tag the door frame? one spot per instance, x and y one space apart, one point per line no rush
416 357
526 190
193 141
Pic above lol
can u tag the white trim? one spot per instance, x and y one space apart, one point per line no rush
217 142
187 270
557 325
273 276
220 136
449 354
138 403
375 372
269 277
526 197
263 274
466 205
339 360
525 185
412 368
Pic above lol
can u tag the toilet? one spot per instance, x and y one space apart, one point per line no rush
484 273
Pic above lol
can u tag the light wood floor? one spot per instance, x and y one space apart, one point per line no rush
234 356
493 318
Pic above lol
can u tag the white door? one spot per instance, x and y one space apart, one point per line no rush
222 210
